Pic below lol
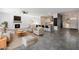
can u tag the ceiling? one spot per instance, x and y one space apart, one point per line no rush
37 11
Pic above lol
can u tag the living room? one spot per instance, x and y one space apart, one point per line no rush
37 28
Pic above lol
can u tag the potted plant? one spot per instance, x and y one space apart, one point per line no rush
5 25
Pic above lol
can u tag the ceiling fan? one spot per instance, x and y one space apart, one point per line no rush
25 12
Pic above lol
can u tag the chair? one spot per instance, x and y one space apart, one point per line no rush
8 35
38 31
3 42
29 40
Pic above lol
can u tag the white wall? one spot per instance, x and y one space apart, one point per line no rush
6 17
37 20
55 15
26 19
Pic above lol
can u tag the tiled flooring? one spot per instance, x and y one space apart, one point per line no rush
58 40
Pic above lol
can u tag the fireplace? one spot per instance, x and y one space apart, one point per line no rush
17 25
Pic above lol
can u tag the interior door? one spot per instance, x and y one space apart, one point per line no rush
73 23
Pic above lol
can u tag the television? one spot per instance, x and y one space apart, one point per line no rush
17 25
17 18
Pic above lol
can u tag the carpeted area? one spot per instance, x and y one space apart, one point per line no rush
16 42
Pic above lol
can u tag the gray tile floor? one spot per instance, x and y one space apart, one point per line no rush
58 40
